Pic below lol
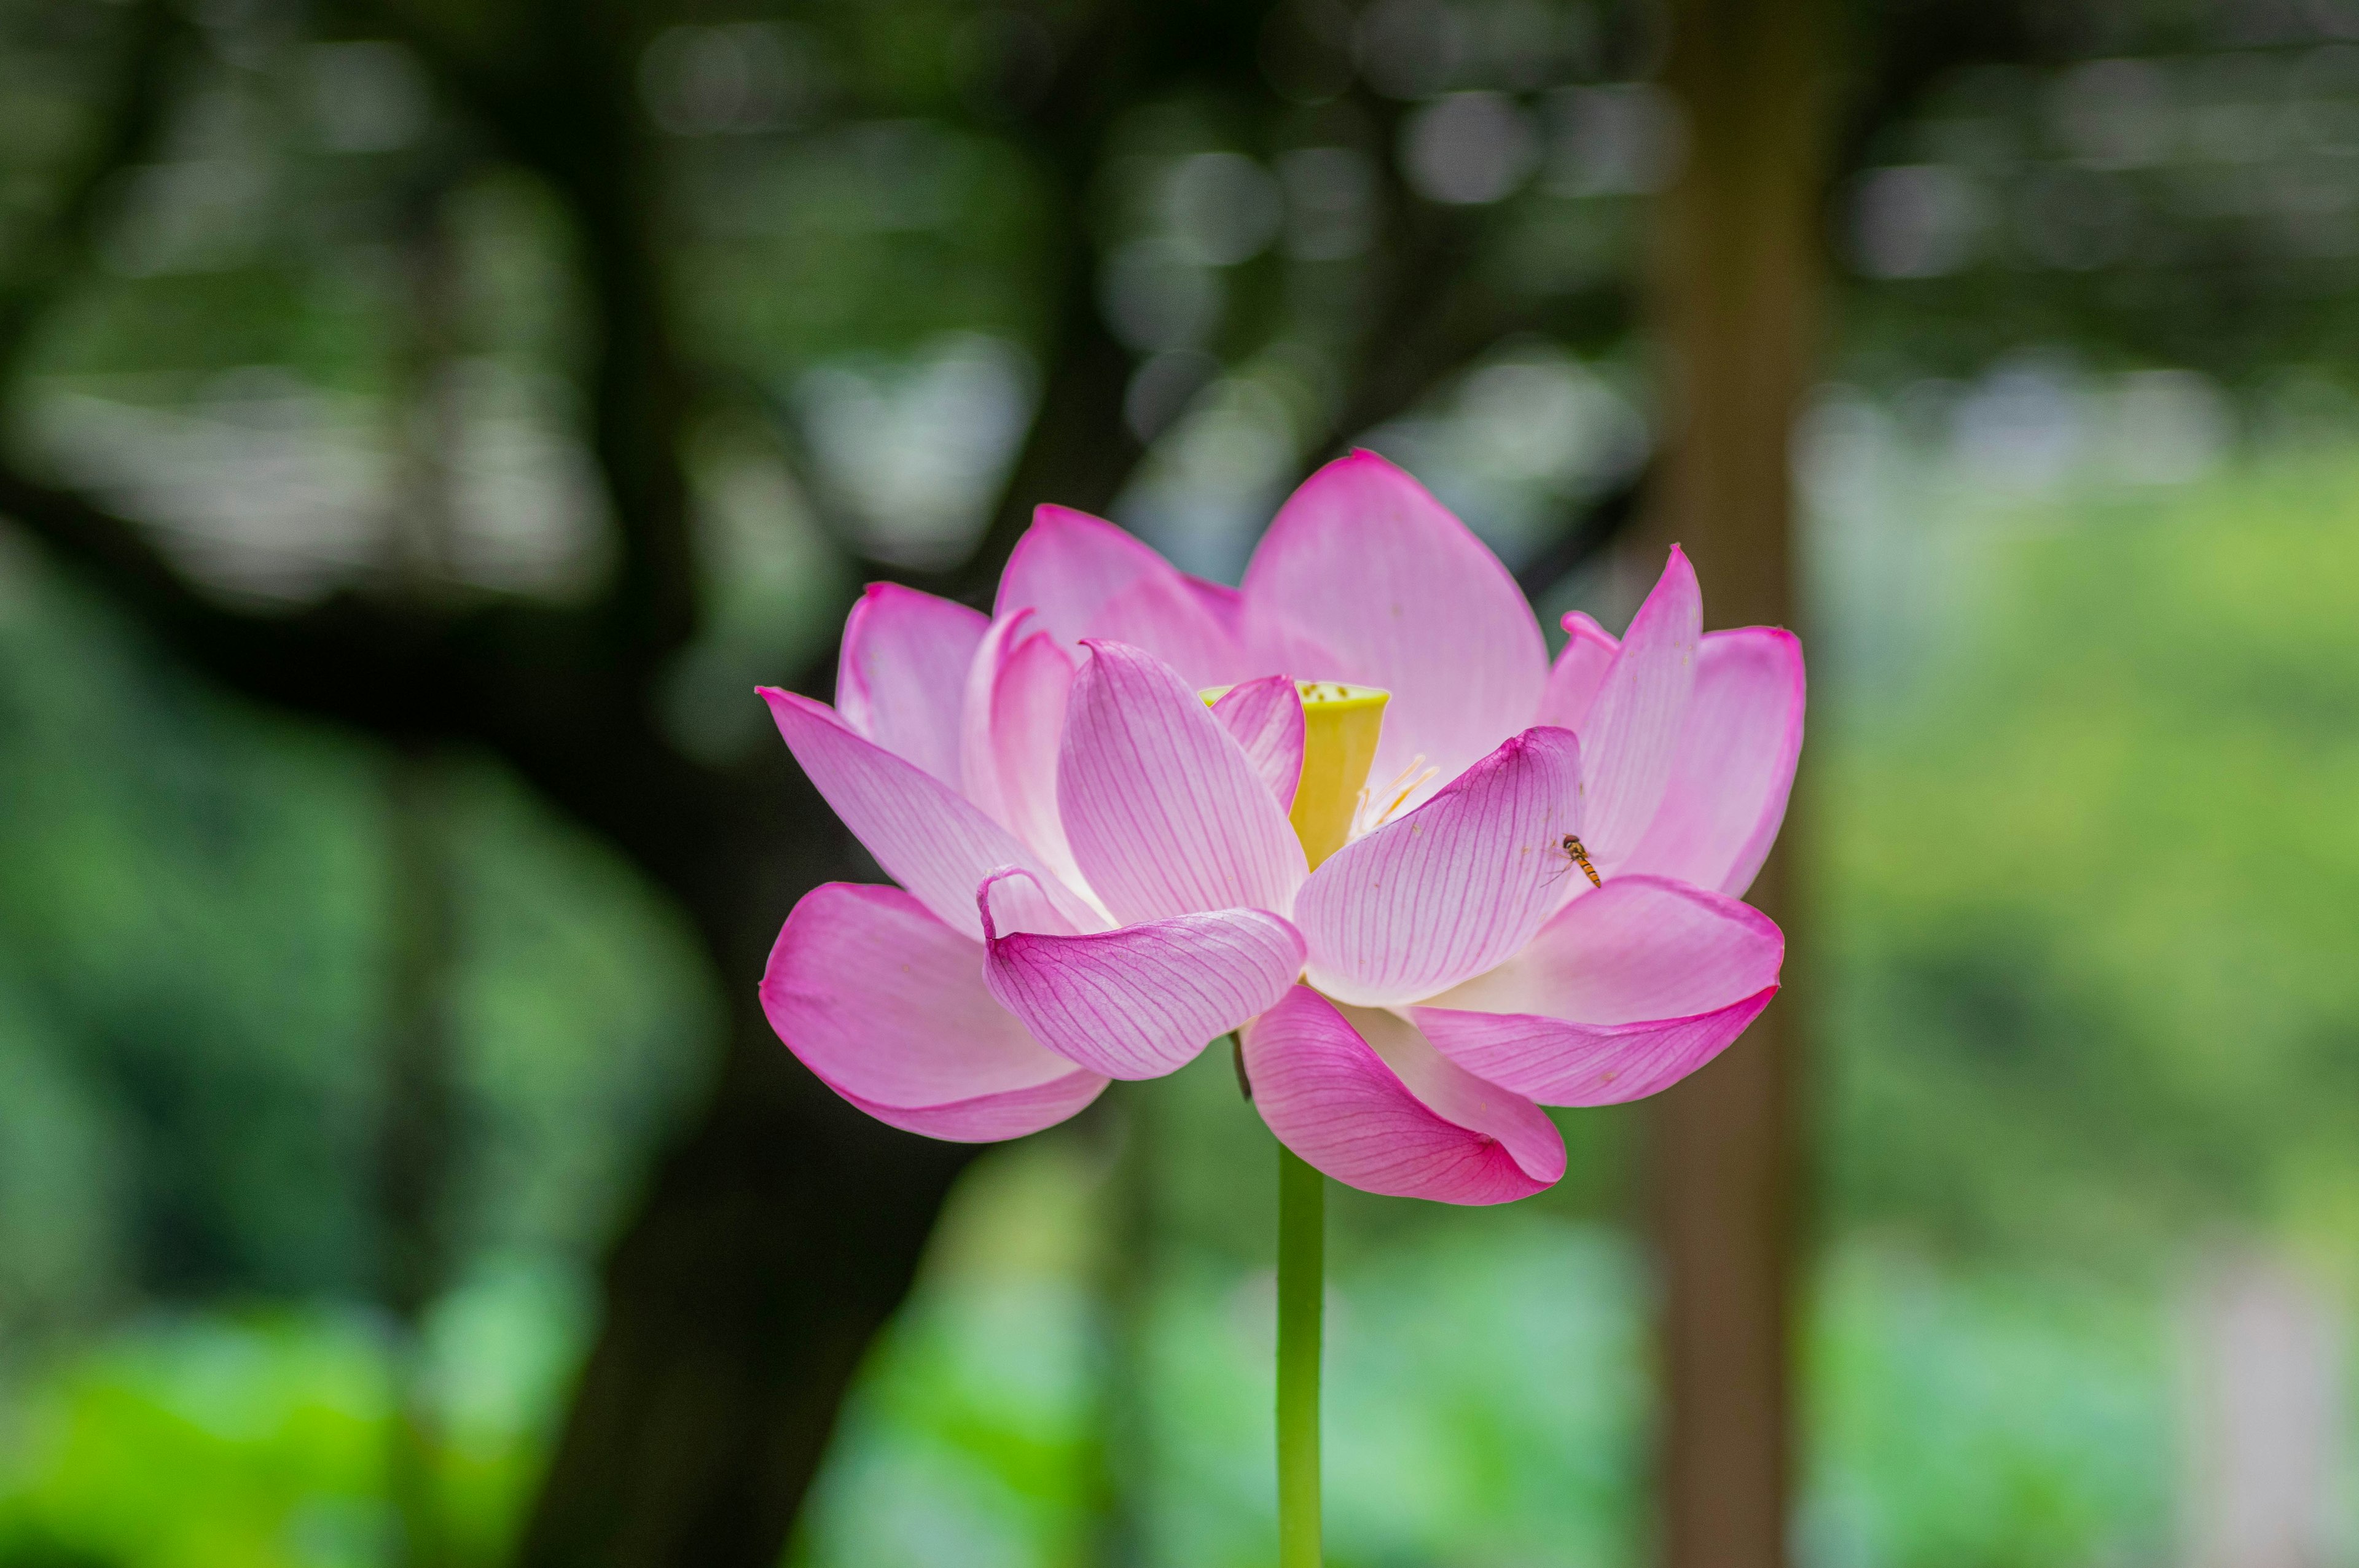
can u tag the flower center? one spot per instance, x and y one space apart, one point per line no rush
1340 727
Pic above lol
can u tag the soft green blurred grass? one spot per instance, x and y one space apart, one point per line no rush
1486 1409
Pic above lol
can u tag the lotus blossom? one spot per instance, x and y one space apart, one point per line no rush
1334 810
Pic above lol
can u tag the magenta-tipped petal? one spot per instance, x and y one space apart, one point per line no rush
1580 669
1734 767
1362 1097
1455 887
1014 723
902 673
1363 565
1142 1001
1164 814
1627 990
930 840
1089 579
1633 723
1266 717
887 1006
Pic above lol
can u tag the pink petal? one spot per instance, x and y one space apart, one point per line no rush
1226 604
1089 579
1638 948
1454 887
1363 1097
1633 723
1014 723
1363 565
1166 615
1266 717
1164 815
902 674
1580 669
1735 766
1627 990
931 840
1558 1063
1140 1001
888 1005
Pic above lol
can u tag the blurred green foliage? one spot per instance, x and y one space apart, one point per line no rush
2087 890
193 901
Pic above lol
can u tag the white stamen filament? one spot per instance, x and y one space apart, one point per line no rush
1408 782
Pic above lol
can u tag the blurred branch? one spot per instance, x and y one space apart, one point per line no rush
128 128
1436 310
330 659
1079 449
357 659
570 112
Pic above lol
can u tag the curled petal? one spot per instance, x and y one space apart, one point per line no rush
930 840
1580 669
1164 815
1629 988
1633 726
902 673
1365 569
1560 1062
1366 1098
1142 1001
1734 767
1014 723
1089 579
887 1006
1266 717
1453 888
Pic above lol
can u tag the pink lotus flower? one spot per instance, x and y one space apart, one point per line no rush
1355 854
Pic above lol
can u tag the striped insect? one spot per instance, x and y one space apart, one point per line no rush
1578 854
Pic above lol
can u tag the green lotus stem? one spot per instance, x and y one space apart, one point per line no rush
1301 1291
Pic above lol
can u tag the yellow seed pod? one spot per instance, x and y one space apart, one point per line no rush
1340 727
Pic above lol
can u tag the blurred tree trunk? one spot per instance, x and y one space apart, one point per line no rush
1735 286
418 1152
418 1132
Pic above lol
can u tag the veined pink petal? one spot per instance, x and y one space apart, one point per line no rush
1266 717
1629 988
902 673
1363 1097
928 838
1089 579
1014 723
1638 948
1361 564
1140 1001
1453 888
1580 669
1735 766
1633 726
888 1005
1560 1063
1164 815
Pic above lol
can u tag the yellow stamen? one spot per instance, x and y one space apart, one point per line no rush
1340 727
